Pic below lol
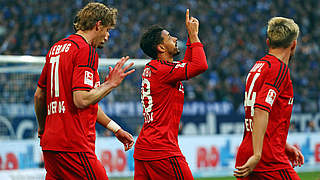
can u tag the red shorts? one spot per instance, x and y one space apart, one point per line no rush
73 165
173 168
282 174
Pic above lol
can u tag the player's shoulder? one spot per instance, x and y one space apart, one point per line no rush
163 66
156 67
78 41
273 64
153 65
68 44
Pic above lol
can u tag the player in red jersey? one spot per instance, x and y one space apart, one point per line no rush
66 100
157 154
264 152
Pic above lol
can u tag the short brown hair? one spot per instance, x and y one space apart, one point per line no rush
88 16
281 32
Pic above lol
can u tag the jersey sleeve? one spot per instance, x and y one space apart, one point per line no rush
274 80
189 68
85 64
173 72
42 83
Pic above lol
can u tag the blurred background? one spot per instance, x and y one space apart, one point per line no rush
233 33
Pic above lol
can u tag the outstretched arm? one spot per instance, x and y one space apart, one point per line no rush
123 136
40 109
195 55
83 99
260 123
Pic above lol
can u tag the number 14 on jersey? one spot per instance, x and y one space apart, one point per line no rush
250 98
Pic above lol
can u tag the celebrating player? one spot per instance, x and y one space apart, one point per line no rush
157 154
66 100
264 152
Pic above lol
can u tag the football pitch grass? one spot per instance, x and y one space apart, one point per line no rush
303 176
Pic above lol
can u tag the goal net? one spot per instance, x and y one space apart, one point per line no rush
18 81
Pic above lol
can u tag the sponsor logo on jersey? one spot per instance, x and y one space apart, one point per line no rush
97 84
88 78
271 96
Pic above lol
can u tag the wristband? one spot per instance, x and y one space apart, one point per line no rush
113 126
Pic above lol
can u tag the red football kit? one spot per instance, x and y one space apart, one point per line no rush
162 97
71 65
268 87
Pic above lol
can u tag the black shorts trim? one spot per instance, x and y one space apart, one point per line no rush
286 172
175 159
85 167
91 170
176 168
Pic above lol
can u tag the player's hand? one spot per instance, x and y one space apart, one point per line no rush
247 168
117 74
126 139
295 156
192 24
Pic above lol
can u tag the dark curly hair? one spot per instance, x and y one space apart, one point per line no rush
150 39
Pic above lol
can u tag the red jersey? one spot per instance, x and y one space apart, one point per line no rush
71 65
162 97
268 87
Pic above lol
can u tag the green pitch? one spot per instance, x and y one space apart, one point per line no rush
303 176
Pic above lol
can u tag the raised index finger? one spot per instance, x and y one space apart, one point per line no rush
187 15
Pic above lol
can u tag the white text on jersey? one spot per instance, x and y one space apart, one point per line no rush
56 107
257 67
57 49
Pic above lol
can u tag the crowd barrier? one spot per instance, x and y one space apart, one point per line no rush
207 156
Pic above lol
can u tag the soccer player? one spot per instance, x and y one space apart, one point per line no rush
66 100
157 154
264 152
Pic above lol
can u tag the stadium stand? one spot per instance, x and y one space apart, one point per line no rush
232 31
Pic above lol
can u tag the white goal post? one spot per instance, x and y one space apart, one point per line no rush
32 63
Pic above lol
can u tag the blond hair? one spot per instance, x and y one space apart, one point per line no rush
93 12
281 32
